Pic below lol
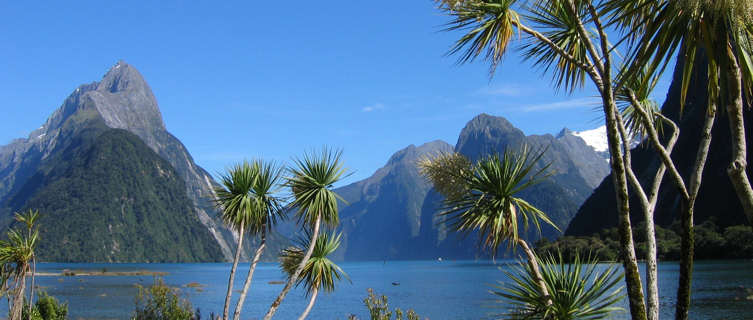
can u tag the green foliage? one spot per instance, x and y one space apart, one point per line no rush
247 196
109 198
319 272
161 302
694 26
311 183
577 290
734 242
46 308
379 309
234 197
487 199
490 25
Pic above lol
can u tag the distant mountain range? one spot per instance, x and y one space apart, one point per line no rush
392 214
114 185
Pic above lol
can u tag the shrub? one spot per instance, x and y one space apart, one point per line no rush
46 308
161 302
380 310
578 290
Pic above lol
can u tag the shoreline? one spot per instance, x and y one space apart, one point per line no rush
92 273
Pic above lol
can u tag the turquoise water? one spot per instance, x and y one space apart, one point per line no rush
436 290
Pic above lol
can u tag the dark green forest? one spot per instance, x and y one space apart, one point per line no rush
107 197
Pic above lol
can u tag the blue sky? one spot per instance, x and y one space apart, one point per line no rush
271 79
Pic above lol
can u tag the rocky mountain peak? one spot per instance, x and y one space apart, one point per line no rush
122 77
125 101
484 121
412 153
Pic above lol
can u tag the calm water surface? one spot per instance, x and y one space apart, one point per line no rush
436 290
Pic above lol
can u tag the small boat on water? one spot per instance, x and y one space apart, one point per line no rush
396 283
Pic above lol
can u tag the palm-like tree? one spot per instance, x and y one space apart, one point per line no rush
320 273
484 197
235 198
578 290
17 256
267 210
311 183
723 31
568 39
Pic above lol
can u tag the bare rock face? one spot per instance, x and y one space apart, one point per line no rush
123 100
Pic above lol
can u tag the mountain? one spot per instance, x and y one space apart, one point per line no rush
393 213
716 200
121 100
110 198
388 202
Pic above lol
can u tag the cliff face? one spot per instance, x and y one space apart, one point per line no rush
121 100
716 199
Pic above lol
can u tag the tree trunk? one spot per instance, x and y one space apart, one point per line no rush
686 262
311 305
688 208
294 277
648 205
250 275
31 290
232 275
619 179
534 265
16 309
737 168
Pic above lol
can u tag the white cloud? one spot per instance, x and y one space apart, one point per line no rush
567 104
374 107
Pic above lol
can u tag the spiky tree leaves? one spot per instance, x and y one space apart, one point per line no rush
311 183
490 25
266 212
557 23
580 290
484 197
319 273
235 199
17 257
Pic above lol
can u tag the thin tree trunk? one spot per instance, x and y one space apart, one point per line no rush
232 275
534 265
294 277
311 305
17 307
31 290
737 168
686 262
652 286
627 246
688 207
250 275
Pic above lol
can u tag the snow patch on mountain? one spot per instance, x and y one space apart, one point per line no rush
596 138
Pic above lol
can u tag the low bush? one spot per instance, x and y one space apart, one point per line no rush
161 302
46 308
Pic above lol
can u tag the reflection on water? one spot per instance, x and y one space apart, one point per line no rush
437 290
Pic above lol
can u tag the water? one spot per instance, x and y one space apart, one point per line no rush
436 290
